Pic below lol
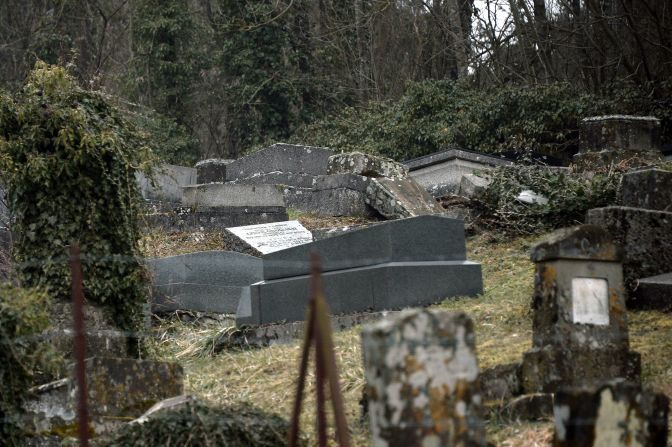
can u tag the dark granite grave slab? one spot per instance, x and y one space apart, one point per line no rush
207 281
423 238
391 285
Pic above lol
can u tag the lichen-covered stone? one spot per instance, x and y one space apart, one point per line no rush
644 236
422 380
650 189
615 414
366 165
400 198
614 139
580 332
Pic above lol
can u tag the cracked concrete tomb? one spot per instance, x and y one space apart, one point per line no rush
616 414
580 328
422 380
392 265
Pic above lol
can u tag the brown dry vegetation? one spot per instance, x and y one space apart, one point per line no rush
265 377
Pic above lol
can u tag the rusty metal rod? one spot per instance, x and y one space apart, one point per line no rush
80 344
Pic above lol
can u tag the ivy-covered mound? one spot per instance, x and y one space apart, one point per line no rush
23 355
68 160
198 425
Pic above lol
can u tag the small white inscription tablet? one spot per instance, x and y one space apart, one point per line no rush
590 301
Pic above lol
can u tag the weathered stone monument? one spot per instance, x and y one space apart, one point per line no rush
366 165
397 198
212 170
615 414
442 173
421 372
258 240
642 227
207 281
611 139
392 265
580 332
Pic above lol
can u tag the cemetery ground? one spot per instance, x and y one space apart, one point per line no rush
266 377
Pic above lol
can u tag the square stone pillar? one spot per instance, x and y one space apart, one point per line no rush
580 332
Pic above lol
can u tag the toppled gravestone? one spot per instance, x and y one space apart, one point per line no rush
365 165
615 414
207 281
580 331
612 139
397 198
642 227
392 265
118 390
421 373
212 170
258 240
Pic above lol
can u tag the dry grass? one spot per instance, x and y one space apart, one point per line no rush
265 377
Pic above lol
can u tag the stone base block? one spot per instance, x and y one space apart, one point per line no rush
546 370
393 285
615 414
644 236
186 219
650 189
590 161
654 292
501 382
329 202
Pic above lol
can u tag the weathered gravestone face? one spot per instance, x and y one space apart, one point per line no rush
612 415
421 373
262 239
211 170
579 322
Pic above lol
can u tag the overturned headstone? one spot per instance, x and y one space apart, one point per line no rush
397 198
212 170
258 240
612 139
615 414
442 173
408 262
365 165
421 372
642 227
580 332
280 157
207 281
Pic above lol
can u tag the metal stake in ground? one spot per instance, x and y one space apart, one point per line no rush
318 331
80 344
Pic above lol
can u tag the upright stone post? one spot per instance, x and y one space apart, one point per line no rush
615 414
421 374
580 332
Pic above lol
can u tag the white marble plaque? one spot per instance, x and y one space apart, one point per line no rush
590 301
267 238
